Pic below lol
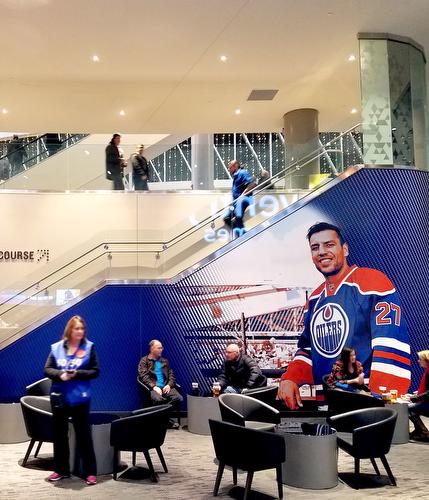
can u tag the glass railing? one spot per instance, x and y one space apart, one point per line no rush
21 154
82 167
144 259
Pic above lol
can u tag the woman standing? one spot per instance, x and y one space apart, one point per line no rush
71 364
115 162
420 402
347 372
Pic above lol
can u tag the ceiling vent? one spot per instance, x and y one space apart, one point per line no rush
262 95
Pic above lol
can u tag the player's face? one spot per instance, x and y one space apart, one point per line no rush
329 256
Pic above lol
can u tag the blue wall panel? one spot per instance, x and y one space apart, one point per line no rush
384 214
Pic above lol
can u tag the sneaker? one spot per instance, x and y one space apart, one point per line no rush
56 477
91 480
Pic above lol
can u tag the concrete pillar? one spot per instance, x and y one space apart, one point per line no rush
202 161
301 129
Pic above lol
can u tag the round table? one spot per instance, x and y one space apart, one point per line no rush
200 409
100 427
12 426
402 427
311 461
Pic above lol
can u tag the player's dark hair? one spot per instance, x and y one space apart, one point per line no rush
325 226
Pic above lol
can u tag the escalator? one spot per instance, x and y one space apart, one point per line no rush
21 154
162 261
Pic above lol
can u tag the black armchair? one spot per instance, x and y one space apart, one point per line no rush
247 412
246 449
143 430
340 401
37 414
371 432
145 391
41 387
265 394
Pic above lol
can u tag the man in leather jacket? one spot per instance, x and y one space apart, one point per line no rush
239 371
155 372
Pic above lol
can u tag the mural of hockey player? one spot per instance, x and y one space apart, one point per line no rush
357 307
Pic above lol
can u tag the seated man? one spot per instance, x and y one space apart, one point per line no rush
155 372
239 371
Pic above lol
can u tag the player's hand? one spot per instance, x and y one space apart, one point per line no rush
166 389
289 393
157 390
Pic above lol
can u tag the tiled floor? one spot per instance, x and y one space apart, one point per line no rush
190 459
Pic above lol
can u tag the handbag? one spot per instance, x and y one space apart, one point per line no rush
57 400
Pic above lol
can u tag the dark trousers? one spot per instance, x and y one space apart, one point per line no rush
139 183
80 418
173 398
118 182
235 215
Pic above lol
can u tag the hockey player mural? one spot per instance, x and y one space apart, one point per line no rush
356 307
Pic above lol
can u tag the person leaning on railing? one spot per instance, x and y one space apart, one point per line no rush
115 162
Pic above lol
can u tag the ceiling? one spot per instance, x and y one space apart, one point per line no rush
159 62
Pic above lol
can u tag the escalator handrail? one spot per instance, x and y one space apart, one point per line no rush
165 245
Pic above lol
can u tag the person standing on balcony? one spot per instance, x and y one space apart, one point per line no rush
115 162
53 143
140 169
242 183
16 154
71 365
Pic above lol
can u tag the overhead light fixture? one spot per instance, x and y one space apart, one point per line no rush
95 58
87 152
351 58
223 58
122 112
4 111
238 111
353 111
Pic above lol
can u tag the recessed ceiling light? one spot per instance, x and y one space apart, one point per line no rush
95 58
223 58
238 111
353 111
122 112
4 111
87 152
351 58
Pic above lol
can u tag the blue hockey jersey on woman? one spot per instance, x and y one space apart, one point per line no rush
362 311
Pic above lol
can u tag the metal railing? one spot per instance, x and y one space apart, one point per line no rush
136 260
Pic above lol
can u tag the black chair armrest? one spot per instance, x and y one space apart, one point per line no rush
346 422
150 409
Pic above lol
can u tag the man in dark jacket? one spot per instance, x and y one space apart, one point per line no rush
140 170
239 371
155 372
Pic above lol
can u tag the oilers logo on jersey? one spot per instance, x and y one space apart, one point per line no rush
329 330
361 311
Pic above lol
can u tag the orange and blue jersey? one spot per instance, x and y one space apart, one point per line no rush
362 311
